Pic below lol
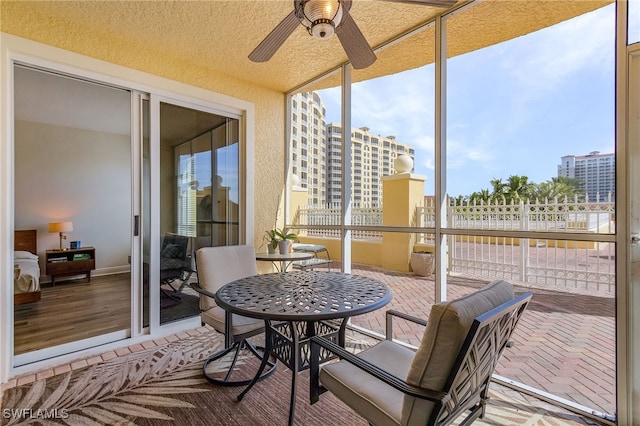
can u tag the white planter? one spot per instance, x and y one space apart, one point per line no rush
422 264
284 246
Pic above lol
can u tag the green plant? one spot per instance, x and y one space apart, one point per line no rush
286 234
271 238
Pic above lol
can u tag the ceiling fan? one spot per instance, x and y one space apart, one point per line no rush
323 18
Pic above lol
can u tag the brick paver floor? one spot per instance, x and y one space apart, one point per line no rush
564 344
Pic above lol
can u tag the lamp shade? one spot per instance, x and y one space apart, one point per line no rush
60 226
321 17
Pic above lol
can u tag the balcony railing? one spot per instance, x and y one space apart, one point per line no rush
580 265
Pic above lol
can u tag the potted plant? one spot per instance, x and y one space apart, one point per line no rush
286 237
271 238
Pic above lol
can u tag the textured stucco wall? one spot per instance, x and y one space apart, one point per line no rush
220 34
20 19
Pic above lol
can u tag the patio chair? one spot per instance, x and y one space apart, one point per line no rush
175 265
449 374
320 256
217 266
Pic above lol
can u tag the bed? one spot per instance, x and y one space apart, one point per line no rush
26 269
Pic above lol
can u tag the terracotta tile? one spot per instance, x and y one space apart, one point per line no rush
148 344
136 348
108 355
62 369
26 379
79 364
122 351
10 384
94 360
45 374
161 341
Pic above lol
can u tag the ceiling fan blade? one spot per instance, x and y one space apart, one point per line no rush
434 3
355 45
272 42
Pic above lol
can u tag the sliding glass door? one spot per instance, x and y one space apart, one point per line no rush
73 192
199 177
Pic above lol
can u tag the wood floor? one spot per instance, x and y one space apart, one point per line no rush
75 310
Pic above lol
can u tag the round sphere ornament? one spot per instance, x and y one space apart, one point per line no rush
403 163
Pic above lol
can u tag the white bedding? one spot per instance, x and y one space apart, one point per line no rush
26 272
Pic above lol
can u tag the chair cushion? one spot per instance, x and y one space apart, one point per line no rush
315 248
169 263
171 251
378 402
447 326
217 266
215 317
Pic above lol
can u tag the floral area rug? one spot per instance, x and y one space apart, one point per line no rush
165 386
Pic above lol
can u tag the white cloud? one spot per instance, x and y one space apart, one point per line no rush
492 106
543 60
461 155
399 105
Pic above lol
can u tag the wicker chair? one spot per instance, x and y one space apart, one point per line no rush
447 376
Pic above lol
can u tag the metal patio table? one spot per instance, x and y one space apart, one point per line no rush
298 305
285 259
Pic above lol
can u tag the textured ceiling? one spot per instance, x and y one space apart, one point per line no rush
218 35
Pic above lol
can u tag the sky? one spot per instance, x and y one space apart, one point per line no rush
512 109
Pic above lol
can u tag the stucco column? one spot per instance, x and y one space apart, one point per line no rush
298 197
401 194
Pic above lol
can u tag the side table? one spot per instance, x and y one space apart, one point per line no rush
69 262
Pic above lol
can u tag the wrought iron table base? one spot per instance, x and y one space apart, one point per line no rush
297 306
238 347
290 342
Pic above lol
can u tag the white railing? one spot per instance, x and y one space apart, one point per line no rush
540 215
331 216
588 266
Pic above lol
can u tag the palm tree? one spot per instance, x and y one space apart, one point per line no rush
482 196
518 188
498 188
559 187
575 184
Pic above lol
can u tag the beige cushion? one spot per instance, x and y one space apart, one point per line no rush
217 266
447 327
376 401
215 317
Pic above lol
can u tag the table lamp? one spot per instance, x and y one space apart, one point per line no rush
61 227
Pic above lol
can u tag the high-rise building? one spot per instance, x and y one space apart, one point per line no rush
596 171
316 155
372 157
308 148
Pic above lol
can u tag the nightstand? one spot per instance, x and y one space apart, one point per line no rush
70 262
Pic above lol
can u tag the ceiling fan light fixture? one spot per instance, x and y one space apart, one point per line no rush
320 17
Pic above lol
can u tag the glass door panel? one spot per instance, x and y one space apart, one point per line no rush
199 176
530 151
633 180
72 164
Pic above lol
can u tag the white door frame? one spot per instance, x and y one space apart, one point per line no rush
16 49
